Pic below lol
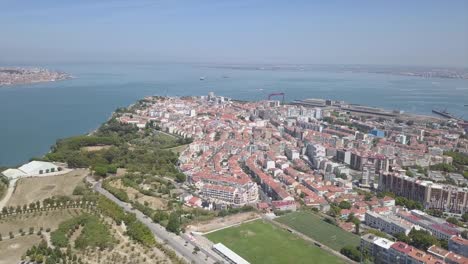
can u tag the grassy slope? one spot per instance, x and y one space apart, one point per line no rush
260 242
314 227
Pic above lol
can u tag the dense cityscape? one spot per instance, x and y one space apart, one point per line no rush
281 157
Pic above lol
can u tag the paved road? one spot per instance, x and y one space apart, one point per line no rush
183 246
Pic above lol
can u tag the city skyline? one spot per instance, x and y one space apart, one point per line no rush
428 33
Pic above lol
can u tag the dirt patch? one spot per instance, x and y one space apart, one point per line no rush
12 249
95 148
121 172
248 233
48 188
34 189
222 222
14 246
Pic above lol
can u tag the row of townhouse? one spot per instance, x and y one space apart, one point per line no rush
389 223
437 226
271 187
384 251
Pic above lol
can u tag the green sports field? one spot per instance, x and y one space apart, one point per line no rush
314 227
262 242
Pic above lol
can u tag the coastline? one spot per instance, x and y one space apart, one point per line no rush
13 85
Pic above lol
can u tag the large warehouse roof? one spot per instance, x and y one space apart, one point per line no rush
30 169
34 166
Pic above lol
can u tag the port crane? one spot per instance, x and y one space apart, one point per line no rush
276 94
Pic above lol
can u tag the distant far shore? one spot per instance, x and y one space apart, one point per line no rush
10 76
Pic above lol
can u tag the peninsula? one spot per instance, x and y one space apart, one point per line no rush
18 75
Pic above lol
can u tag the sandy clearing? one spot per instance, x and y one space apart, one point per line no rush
38 188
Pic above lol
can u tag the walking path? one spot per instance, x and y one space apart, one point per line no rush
10 190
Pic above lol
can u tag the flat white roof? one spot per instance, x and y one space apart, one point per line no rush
35 165
230 254
13 173
383 243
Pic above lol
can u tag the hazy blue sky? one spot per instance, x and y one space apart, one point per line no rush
411 32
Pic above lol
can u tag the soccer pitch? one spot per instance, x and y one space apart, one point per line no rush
314 227
262 242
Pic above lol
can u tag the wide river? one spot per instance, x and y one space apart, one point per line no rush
33 117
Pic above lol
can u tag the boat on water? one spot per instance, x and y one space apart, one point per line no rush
443 113
202 78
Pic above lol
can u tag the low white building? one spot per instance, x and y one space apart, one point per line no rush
33 168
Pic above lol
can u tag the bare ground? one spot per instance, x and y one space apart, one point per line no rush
95 148
11 250
38 188
222 222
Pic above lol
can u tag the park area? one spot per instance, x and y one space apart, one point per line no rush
313 226
262 242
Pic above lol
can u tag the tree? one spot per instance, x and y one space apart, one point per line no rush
452 220
100 170
464 234
357 225
443 243
174 223
351 252
422 239
368 196
112 169
345 205
435 212
180 177
353 219
465 217
403 238
334 210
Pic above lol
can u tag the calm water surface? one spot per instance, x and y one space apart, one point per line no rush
32 117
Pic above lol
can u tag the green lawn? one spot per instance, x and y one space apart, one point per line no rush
313 226
262 242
